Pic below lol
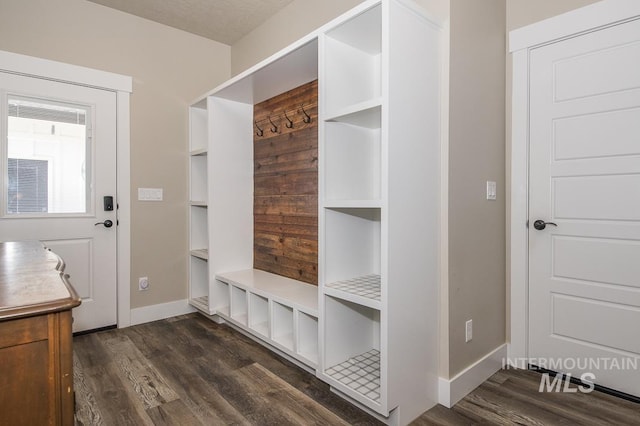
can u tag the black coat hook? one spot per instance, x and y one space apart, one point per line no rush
274 129
288 125
259 132
307 118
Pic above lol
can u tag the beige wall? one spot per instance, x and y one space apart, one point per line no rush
169 69
294 21
476 155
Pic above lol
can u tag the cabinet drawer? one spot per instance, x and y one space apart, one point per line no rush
23 330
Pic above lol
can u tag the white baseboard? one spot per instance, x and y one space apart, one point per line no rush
450 391
160 311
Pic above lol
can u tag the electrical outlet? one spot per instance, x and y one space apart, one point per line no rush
468 335
143 283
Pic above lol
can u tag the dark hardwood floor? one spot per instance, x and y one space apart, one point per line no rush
190 371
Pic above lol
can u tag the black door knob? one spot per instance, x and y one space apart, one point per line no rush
541 224
107 223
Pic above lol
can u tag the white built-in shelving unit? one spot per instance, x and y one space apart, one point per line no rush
198 207
369 329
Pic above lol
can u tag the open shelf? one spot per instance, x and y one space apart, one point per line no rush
282 325
198 179
307 344
199 285
352 348
220 298
360 373
198 234
352 243
352 163
259 314
353 61
364 290
239 305
198 128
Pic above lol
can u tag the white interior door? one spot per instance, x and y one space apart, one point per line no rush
58 163
584 273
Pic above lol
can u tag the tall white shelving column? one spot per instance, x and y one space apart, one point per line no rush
198 206
379 193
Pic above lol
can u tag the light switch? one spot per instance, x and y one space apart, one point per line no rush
149 194
491 190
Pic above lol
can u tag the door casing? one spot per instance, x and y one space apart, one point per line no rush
580 21
14 63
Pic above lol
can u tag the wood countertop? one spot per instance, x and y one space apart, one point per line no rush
32 281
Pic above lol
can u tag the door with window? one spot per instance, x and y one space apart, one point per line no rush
58 157
584 218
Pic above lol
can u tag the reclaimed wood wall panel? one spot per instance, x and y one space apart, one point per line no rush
285 208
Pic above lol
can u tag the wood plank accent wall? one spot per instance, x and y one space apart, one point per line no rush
285 208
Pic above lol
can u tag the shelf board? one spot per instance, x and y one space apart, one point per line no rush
198 203
198 152
200 253
353 204
364 114
364 290
360 373
286 291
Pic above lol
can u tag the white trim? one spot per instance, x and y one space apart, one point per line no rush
586 19
453 390
603 13
15 63
160 311
43 68
123 189
519 205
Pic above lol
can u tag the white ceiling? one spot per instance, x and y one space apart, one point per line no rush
225 21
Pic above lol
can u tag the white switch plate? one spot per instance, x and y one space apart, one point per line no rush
468 332
149 194
491 190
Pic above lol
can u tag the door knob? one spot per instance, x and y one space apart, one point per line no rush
541 224
107 223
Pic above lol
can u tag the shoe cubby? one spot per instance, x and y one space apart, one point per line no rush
259 314
198 229
352 348
353 63
198 128
239 309
282 325
220 298
352 162
307 337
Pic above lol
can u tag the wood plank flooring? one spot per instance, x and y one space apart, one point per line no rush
190 371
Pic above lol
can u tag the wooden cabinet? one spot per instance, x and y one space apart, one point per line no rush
36 355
